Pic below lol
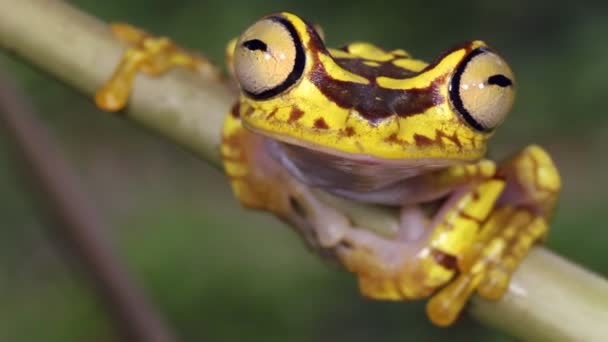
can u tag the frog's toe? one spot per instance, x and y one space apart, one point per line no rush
519 236
445 306
488 265
150 55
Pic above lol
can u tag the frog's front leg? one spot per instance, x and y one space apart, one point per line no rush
150 55
479 235
414 266
260 182
519 219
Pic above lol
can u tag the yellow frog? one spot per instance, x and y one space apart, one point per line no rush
378 127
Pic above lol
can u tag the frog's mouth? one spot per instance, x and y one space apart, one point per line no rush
360 177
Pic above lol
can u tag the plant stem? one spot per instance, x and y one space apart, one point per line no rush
549 298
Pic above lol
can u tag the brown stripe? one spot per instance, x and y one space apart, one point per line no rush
321 124
349 131
446 260
271 114
393 138
236 110
373 102
422 140
388 69
295 115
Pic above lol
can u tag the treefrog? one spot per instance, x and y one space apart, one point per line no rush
384 128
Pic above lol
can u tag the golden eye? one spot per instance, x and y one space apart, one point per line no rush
482 89
268 58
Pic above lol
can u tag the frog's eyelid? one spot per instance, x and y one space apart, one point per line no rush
298 67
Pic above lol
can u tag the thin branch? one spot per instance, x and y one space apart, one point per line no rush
551 293
78 222
549 299
80 50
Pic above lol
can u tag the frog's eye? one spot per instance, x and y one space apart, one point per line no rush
482 89
268 58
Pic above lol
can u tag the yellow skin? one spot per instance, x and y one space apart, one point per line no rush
379 127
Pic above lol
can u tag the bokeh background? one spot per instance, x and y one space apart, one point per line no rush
220 273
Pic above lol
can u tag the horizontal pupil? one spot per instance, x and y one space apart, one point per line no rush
255 44
499 80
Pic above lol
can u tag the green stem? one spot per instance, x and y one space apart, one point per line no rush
549 298
81 51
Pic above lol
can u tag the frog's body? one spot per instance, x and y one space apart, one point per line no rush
381 127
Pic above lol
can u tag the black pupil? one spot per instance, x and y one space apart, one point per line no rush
500 80
255 44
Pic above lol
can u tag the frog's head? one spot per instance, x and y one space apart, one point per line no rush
361 100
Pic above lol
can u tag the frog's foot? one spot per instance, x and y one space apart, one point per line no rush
424 256
519 219
473 243
150 55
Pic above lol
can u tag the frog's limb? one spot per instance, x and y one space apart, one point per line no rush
260 182
519 219
412 266
533 185
150 55
481 233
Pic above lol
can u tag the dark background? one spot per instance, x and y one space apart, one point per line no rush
223 274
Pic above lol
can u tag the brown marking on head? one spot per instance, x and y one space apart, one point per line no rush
473 142
349 131
320 123
295 115
394 139
387 69
315 43
272 113
236 110
248 111
423 140
372 101
453 138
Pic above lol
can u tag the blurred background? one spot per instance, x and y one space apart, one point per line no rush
220 273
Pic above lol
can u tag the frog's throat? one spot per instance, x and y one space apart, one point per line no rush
343 173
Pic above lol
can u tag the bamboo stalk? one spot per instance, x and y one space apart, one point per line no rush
549 298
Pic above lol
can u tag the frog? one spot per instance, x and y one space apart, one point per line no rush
380 128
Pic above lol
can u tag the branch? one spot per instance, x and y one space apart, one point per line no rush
80 50
549 298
